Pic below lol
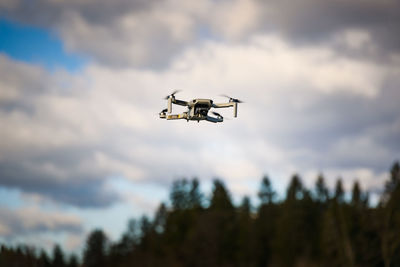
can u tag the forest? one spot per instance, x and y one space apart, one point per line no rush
306 227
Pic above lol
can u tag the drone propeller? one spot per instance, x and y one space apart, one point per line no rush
173 94
217 114
164 110
231 99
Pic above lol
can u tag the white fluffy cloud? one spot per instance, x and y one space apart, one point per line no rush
306 108
32 220
152 33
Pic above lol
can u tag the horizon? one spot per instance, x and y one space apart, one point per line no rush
82 83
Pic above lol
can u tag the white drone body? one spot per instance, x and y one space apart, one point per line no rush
197 109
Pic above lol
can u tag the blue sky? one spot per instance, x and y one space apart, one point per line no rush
81 145
36 45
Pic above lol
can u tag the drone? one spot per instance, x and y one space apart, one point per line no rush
197 109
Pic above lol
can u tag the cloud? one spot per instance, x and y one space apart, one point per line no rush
32 220
308 107
152 33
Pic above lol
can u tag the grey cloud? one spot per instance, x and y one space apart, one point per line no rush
344 131
76 189
33 156
48 13
315 20
151 33
31 220
71 145
119 33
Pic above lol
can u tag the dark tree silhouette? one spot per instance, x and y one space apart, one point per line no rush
95 254
266 193
58 257
322 192
339 191
305 228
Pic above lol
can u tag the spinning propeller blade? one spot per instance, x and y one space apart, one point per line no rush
173 94
231 99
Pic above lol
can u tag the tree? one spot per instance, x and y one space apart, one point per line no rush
295 190
245 207
73 261
95 253
220 199
393 182
160 219
244 231
391 219
179 195
131 237
322 192
44 260
58 257
339 192
222 223
195 196
358 198
266 193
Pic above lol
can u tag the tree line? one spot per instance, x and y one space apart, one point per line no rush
309 227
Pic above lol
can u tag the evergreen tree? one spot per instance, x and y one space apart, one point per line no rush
322 192
44 260
265 224
300 230
295 189
245 246
179 195
220 199
195 196
222 220
95 253
160 218
391 219
292 243
73 261
266 193
339 191
58 257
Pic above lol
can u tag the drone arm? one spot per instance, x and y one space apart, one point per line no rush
223 105
172 100
177 116
179 102
227 105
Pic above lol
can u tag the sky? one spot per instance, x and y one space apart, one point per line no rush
82 82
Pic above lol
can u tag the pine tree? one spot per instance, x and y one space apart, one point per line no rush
220 199
391 219
58 257
322 192
339 191
195 196
266 193
96 249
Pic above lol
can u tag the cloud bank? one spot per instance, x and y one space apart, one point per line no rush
306 108
152 33
31 220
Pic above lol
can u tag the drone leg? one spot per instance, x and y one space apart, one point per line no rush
169 105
